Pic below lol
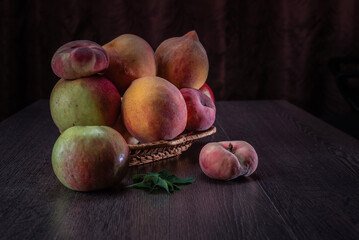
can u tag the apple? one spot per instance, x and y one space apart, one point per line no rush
208 91
91 101
201 111
87 158
80 58
228 159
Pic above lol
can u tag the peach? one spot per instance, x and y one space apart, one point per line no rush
183 61
206 89
131 57
228 159
85 101
87 158
201 111
153 109
77 59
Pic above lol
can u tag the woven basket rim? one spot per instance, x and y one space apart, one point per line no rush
191 136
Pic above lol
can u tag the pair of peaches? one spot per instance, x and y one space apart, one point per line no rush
123 93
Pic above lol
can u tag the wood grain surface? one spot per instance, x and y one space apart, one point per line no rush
306 185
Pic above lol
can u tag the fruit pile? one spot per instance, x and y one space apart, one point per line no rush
124 93
160 90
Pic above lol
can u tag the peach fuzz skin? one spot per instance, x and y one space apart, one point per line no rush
153 109
183 61
217 162
80 58
131 57
201 111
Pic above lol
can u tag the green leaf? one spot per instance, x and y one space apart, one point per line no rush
166 174
153 178
163 179
170 186
162 183
174 179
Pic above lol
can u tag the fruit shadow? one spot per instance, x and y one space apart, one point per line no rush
239 180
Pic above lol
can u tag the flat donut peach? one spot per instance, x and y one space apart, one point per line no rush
80 58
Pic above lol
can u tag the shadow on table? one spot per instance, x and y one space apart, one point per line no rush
239 180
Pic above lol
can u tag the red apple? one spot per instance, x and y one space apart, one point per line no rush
80 58
86 158
228 160
201 111
208 91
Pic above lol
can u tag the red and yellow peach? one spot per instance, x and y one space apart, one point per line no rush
201 111
183 61
153 109
131 57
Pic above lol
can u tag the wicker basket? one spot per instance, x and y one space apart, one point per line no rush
155 151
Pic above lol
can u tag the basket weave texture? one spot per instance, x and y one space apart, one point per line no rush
155 151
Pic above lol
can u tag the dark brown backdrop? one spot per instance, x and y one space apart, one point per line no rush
257 49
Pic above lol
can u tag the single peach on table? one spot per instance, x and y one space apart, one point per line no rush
84 102
201 111
183 61
131 57
153 109
80 58
228 159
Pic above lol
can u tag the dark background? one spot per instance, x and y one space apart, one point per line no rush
257 49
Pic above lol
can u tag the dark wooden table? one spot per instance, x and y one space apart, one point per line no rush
306 185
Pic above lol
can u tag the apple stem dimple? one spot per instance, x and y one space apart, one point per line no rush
230 148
